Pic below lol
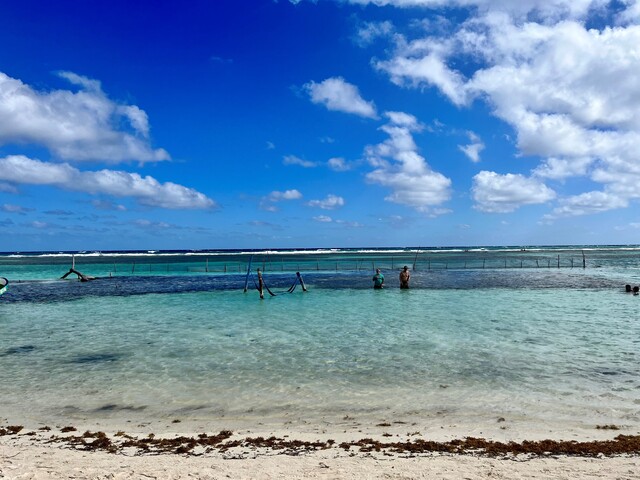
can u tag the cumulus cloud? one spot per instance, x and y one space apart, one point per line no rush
568 89
505 193
75 126
18 169
330 203
277 196
400 167
337 94
587 203
268 202
473 149
323 219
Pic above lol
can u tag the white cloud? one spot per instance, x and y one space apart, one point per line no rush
330 203
268 202
338 164
75 126
8 208
561 168
336 94
293 160
400 167
323 219
277 196
39 225
19 169
505 193
472 150
570 92
586 204
429 69
554 9
368 32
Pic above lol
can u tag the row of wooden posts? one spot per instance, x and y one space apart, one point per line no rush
359 265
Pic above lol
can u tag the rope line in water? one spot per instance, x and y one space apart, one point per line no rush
291 289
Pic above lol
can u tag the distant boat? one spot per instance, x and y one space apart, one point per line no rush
3 285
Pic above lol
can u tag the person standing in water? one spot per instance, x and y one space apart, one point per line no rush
378 279
405 275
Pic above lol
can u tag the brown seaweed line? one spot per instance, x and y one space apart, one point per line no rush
99 441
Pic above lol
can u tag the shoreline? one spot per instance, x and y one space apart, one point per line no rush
390 437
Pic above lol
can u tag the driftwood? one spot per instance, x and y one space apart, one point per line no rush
81 276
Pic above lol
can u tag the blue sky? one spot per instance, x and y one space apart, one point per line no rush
271 124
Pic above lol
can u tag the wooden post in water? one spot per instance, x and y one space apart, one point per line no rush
558 261
206 267
537 264
584 260
133 267
304 288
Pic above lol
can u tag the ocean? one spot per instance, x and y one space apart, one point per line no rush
532 338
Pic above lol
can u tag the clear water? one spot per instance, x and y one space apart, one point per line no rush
558 348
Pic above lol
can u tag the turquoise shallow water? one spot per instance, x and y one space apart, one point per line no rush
539 355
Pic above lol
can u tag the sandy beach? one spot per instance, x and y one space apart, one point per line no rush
46 462
66 452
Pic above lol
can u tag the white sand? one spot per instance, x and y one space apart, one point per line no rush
40 461
31 457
